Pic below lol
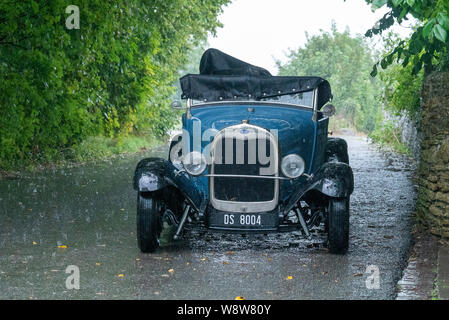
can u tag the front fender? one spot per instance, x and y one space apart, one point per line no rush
150 175
337 150
153 174
334 179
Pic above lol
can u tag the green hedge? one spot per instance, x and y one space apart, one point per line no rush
113 76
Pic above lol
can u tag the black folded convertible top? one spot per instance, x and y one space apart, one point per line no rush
223 77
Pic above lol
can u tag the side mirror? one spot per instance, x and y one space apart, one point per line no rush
328 110
177 104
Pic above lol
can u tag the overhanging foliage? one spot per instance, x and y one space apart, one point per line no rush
112 76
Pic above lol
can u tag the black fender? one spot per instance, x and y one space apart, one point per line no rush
154 174
337 150
150 174
333 180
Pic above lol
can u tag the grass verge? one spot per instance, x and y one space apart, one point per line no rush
91 149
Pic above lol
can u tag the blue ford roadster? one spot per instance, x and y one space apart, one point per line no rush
254 156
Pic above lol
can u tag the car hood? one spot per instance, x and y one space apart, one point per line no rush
293 125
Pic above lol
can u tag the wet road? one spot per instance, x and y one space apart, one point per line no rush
85 217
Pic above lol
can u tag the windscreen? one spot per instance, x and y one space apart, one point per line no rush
301 99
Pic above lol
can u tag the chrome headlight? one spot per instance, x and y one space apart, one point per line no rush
194 163
292 166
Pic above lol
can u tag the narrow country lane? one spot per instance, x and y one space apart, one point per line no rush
85 216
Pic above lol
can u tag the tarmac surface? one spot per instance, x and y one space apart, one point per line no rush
85 217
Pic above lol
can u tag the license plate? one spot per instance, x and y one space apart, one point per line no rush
235 219
243 221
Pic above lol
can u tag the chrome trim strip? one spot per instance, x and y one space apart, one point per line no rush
245 207
315 105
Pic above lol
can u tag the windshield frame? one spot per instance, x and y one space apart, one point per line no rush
313 108
196 103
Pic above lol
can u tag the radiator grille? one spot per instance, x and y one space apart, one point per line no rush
242 152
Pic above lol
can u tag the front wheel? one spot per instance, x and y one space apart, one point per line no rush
338 224
149 222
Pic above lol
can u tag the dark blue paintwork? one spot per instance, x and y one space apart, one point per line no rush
297 132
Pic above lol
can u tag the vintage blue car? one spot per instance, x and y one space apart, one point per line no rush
254 156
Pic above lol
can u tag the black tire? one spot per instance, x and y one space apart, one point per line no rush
338 224
149 222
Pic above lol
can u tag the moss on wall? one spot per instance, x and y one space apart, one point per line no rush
433 173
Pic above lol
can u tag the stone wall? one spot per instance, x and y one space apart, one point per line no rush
433 173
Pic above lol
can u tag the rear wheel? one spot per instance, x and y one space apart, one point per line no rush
338 224
149 221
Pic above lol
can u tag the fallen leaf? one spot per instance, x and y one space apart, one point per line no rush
137 259
239 298
225 262
289 278
62 247
171 271
357 275
230 253
324 273
34 242
388 237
